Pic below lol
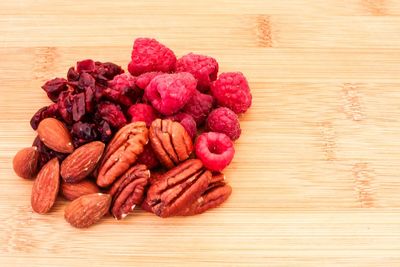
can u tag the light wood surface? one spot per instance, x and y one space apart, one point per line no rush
316 176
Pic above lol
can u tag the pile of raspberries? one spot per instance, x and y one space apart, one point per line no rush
96 99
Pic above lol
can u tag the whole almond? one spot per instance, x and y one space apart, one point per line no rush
87 210
73 191
55 135
81 162
45 188
25 162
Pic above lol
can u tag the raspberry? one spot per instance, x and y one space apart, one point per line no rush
112 114
168 93
187 122
203 68
148 157
144 79
122 90
232 90
150 55
215 150
224 120
199 106
142 112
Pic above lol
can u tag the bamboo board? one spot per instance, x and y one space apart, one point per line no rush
316 171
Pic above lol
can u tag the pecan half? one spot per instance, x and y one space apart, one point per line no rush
170 141
128 191
122 152
178 188
214 196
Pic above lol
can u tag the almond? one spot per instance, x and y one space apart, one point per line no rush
73 191
55 135
25 162
45 188
87 210
81 162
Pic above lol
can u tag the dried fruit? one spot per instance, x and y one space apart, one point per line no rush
122 152
203 68
224 120
83 132
170 141
150 55
81 162
45 188
144 79
232 90
87 210
199 106
42 113
73 191
122 90
215 150
168 93
55 135
54 87
86 65
178 188
128 191
112 113
187 122
142 112
26 162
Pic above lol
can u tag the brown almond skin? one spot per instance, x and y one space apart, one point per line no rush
87 210
46 186
26 161
55 135
73 191
78 165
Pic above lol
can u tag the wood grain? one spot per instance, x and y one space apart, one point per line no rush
315 177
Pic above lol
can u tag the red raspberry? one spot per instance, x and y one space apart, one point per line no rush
122 90
142 112
148 157
232 90
187 122
168 93
224 120
199 106
144 79
203 68
215 150
150 55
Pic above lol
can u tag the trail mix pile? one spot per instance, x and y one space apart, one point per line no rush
157 136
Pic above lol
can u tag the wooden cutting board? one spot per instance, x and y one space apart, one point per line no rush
316 176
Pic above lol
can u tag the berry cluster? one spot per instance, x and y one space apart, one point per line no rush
96 99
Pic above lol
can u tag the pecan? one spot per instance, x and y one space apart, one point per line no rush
215 195
122 152
178 188
128 191
170 141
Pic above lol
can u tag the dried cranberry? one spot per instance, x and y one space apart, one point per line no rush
83 133
78 106
111 113
46 153
65 106
86 65
72 75
106 71
89 99
54 87
105 131
44 112
86 81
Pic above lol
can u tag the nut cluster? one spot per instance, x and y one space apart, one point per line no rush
101 179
